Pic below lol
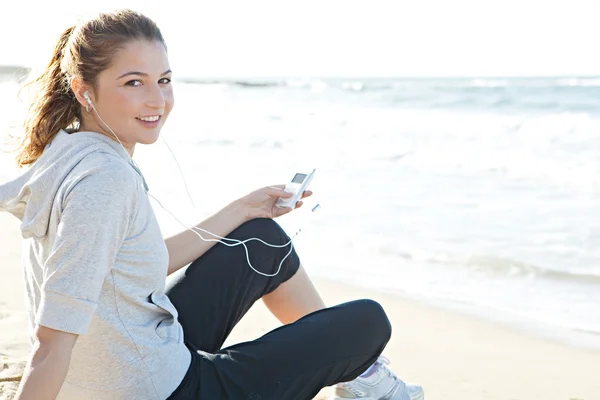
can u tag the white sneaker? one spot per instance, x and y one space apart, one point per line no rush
381 384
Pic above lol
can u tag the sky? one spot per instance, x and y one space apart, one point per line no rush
344 38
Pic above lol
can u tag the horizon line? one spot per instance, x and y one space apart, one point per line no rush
8 68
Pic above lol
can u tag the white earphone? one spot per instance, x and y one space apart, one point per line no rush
86 95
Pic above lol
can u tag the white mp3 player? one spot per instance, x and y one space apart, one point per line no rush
297 187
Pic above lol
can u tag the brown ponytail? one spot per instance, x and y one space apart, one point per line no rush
53 108
83 51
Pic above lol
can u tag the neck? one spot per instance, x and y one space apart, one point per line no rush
93 127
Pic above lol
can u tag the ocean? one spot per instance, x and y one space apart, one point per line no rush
476 194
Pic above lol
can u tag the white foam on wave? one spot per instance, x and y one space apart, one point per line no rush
583 82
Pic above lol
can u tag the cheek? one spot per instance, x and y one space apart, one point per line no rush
169 100
123 104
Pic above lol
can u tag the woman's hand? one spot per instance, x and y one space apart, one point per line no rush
261 202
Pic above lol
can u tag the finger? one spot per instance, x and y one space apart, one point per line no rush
307 193
275 191
299 204
277 186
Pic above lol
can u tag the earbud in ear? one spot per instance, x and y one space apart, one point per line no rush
87 97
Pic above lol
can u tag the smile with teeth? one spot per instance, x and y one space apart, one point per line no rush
153 118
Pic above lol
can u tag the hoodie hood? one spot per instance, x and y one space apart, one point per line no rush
30 196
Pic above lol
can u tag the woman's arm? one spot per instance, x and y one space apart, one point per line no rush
186 246
47 368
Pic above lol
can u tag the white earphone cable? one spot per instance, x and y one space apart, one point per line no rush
195 229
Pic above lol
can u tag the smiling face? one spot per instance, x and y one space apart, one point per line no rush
133 95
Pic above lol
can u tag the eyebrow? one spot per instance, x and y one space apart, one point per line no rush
141 73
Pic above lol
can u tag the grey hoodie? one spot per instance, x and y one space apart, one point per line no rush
95 265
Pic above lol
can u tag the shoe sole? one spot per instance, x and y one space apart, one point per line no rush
421 396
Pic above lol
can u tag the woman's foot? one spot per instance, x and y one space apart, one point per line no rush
378 383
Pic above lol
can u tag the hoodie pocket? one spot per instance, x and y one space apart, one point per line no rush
168 328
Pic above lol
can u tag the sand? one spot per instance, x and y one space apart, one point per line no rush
453 355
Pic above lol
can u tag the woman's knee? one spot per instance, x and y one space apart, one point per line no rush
263 228
375 326
282 261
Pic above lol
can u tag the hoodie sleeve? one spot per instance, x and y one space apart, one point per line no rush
97 210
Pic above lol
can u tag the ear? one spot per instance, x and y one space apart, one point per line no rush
79 88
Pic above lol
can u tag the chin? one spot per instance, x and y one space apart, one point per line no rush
148 138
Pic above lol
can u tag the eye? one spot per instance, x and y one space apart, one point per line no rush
165 80
133 82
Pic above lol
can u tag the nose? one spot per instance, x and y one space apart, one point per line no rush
156 98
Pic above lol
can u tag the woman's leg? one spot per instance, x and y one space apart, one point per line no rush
295 361
214 292
292 362
294 298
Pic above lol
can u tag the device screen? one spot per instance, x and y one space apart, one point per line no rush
299 178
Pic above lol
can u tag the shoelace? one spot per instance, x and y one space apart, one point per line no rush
383 363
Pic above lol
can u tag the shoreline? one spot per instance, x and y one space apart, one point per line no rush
576 338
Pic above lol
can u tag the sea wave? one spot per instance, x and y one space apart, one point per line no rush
513 95
13 73
499 267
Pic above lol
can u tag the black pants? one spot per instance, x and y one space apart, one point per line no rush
294 361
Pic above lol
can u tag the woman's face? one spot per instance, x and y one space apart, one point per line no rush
134 95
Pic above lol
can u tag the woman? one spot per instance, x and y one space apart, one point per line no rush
105 324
